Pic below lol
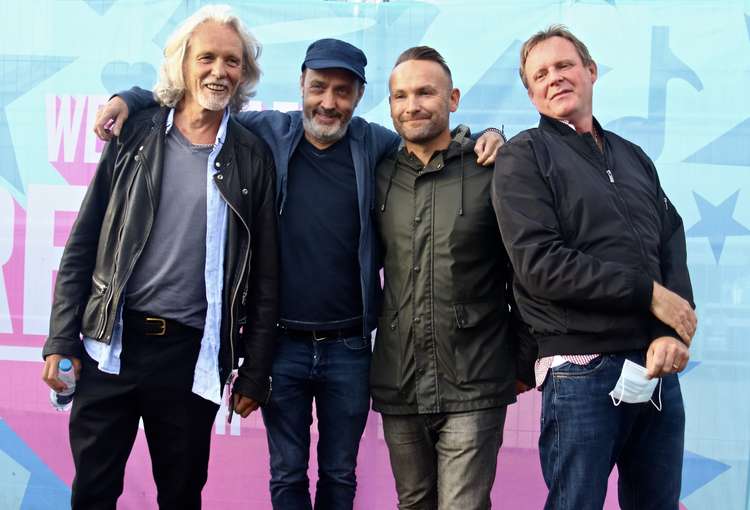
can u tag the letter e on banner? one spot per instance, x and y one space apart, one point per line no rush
42 254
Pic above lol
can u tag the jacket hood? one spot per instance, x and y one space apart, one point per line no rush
460 144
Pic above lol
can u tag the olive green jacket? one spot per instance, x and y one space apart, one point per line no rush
446 340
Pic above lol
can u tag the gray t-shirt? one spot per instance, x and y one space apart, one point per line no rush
168 280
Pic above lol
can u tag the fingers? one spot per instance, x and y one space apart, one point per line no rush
110 119
76 367
244 405
480 149
675 312
666 355
654 361
521 387
49 373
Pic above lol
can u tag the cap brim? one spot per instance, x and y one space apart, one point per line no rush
333 64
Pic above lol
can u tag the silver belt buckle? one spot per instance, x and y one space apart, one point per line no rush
318 339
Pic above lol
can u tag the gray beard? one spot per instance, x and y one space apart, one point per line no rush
322 135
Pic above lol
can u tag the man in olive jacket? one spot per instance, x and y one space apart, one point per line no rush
444 364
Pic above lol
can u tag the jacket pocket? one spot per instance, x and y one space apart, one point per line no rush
385 373
480 343
93 314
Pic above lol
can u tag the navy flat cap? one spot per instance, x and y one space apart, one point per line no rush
333 53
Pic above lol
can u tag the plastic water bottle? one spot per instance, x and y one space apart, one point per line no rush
63 401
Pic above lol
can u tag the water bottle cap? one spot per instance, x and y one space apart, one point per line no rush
65 365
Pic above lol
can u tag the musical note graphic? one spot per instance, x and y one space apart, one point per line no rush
730 148
665 65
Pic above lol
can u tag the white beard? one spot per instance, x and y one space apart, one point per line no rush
214 101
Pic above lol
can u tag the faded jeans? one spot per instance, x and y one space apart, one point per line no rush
444 461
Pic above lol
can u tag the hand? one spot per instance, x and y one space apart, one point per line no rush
666 355
487 146
49 372
244 405
110 118
675 312
521 387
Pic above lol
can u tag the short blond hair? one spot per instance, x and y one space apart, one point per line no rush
170 88
548 33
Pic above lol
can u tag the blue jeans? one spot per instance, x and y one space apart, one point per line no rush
583 435
336 374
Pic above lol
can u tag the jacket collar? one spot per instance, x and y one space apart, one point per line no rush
460 144
563 128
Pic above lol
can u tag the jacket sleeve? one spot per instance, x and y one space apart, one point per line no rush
262 302
385 141
526 345
137 99
673 252
543 264
73 284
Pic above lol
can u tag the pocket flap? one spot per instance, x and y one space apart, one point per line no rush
469 315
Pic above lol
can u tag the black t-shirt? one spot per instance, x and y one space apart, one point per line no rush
319 234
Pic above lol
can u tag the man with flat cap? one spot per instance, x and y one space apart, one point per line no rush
330 285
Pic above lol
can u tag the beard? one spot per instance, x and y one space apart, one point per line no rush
426 132
322 132
214 101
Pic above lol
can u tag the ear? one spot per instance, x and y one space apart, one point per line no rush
594 72
302 81
454 99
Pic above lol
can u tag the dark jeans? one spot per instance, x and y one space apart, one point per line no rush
155 384
583 435
444 461
335 373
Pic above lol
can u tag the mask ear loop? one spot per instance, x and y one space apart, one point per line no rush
658 408
622 393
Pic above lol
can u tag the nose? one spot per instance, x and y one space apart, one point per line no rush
219 69
328 100
412 104
554 76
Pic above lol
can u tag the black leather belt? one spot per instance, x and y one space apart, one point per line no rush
151 325
319 335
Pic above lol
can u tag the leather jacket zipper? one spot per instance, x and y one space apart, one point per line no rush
242 271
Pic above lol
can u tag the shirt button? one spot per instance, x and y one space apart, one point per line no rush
417 319
218 164
244 191
393 325
417 219
220 177
416 269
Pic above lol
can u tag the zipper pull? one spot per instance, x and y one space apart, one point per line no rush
611 177
666 204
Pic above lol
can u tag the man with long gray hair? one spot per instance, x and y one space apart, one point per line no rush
173 253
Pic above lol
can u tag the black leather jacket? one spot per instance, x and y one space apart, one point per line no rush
113 226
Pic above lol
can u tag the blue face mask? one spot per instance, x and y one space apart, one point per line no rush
633 387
